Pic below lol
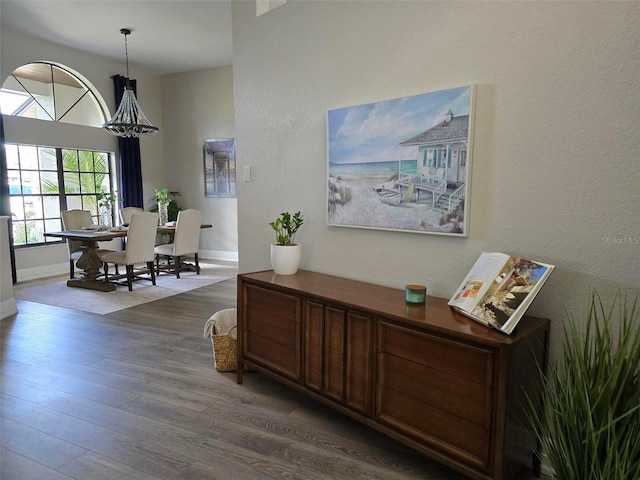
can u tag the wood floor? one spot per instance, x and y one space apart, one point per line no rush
134 395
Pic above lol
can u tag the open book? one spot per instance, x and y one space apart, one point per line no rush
499 289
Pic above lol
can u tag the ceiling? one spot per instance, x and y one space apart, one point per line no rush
167 36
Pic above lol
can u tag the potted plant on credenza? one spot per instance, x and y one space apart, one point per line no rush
285 253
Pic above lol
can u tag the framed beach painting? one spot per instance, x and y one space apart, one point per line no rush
402 164
220 167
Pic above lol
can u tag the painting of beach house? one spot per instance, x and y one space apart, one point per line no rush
402 164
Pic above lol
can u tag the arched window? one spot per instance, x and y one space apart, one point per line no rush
45 180
52 92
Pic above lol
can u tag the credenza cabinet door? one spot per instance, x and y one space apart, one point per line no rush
314 346
360 359
271 330
339 354
437 391
334 349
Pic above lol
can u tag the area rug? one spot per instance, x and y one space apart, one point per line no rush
54 290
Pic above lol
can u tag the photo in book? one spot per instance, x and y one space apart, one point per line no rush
499 288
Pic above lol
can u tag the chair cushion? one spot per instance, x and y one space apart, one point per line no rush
165 249
114 257
100 252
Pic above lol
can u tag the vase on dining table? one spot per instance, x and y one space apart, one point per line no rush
163 214
105 217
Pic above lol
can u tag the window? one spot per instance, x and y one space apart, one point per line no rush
43 181
47 91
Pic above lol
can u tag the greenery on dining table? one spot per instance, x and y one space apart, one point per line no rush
107 199
163 195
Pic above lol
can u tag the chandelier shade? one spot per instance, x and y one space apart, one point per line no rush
129 120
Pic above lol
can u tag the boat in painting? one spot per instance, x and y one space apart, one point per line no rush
393 196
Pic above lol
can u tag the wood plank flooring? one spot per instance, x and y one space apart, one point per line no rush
134 395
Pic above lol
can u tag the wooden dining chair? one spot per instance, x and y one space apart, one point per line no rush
76 220
185 242
141 239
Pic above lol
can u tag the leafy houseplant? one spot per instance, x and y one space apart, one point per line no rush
286 227
590 426
285 253
162 197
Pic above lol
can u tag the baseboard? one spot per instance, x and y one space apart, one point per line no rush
8 307
36 273
219 255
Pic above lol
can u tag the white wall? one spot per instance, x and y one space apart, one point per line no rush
8 304
555 160
197 106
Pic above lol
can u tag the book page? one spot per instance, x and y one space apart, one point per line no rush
478 280
511 292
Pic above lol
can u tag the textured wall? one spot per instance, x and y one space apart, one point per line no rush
7 301
196 106
555 159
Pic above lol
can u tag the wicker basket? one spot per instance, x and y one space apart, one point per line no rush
221 327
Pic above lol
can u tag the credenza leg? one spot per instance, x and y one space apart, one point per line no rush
240 372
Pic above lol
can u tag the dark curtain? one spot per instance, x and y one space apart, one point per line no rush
5 207
130 164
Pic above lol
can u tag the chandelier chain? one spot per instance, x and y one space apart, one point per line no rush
126 54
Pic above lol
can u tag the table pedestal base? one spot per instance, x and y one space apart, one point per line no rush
90 263
99 285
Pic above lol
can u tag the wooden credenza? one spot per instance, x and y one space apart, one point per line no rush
427 376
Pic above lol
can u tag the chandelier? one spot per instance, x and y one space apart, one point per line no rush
129 120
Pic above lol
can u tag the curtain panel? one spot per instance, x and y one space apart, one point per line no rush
129 160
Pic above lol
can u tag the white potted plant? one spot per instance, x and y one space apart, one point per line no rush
285 253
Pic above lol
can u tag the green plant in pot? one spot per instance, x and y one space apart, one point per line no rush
589 428
165 202
285 253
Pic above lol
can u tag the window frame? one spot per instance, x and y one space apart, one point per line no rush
51 112
68 192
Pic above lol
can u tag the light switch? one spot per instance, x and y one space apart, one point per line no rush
246 173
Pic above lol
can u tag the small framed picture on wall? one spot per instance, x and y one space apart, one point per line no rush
219 167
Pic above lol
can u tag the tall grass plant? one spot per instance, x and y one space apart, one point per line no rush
589 428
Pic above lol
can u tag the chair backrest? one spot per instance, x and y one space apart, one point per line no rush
187 236
75 220
141 238
127 212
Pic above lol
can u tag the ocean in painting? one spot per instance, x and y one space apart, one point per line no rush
372 170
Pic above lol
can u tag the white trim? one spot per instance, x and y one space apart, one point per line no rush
36 273
8 307
219 255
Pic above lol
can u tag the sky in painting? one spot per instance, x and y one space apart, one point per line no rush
372 132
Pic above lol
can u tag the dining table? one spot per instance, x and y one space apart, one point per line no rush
89 262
